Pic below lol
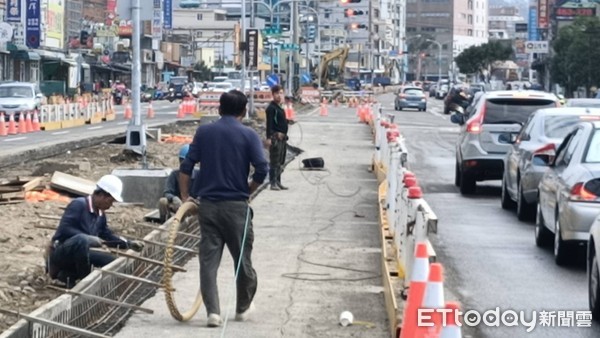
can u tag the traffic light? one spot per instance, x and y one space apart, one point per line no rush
312 31
352 12
83 37
355 26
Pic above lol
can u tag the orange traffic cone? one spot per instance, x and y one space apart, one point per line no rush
416 291
451 329
28 125
12 128
289 112
324 107
36 122
3 130
128 112
433 299
150 111
22 123
191 106
180 111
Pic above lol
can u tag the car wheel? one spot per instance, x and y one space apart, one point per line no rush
467 184
525 211
399 108
457 175
594 287
543 236
505 200
561 250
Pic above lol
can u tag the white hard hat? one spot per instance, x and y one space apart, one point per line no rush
112 185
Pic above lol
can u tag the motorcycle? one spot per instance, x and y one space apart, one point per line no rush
118 97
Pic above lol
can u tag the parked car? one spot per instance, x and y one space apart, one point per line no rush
16 97
569 191
432 89
222 87
479 152
521 178
441 91
410 97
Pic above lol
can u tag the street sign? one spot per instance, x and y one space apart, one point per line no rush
252 48
290 46
13 11
306 78
540 47
271 31
32 24
272 80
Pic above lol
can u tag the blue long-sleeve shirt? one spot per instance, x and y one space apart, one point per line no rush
81 218
225 150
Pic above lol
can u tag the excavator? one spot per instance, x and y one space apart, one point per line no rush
332 76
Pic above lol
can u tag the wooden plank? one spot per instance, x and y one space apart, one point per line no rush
72 184
9 188
32 184
10 195
53 217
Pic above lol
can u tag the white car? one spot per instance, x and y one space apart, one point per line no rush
222 87
16 97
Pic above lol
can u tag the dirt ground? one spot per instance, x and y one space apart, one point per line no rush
24 225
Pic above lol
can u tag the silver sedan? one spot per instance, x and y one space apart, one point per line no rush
569 192
593 269
542 133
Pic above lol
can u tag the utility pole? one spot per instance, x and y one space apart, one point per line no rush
136 132
251 72
370 44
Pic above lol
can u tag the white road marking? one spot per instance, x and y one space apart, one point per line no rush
96 127
61 132
122 123
15 139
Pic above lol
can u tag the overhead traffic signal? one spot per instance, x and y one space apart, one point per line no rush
352 12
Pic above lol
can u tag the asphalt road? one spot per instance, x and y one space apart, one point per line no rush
490 258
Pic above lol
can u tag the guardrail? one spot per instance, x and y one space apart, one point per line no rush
405 217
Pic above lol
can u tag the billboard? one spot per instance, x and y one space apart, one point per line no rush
567 10
13 11
55 20
32 23
532 27
543 18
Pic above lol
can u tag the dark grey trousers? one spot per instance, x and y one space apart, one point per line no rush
222 223
277 153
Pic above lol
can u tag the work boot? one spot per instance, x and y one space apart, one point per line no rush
275 186
214 320
281 186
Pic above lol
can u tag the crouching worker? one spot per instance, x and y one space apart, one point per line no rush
171 200
83 226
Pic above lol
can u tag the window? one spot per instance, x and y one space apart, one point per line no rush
470 19
558 126
508 111
572 146
470 4
593 150
199 16
469 32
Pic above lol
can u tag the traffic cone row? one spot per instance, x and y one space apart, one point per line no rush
26 124
181 111
364 112
426 292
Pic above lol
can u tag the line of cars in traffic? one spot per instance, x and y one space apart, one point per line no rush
548 158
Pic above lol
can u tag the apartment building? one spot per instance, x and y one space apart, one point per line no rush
454 24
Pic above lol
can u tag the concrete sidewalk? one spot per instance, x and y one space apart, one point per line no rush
316 249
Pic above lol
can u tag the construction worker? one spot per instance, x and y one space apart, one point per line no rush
225 150
171 200
82 226
277 128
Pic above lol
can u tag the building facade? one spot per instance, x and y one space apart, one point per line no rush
454 24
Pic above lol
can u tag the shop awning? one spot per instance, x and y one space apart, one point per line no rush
120 68
26 55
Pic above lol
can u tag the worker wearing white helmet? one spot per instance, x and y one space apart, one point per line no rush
82 226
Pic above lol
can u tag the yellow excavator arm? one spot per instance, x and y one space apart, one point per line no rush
341 54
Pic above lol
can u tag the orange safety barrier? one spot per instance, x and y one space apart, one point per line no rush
45 195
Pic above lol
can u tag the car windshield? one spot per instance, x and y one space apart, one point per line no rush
593 150
413 91
15 91
510 110
559 126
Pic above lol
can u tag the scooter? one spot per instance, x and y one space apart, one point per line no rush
118 97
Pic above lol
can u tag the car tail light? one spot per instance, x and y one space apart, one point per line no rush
474 124
548 149
580 193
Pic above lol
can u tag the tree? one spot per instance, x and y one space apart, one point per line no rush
477 59
574 63
204 71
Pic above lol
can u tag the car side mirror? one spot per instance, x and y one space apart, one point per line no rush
39 96
543 160
457 119
507 138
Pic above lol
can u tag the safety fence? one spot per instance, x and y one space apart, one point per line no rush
57 116
207 103
100 303
406 222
